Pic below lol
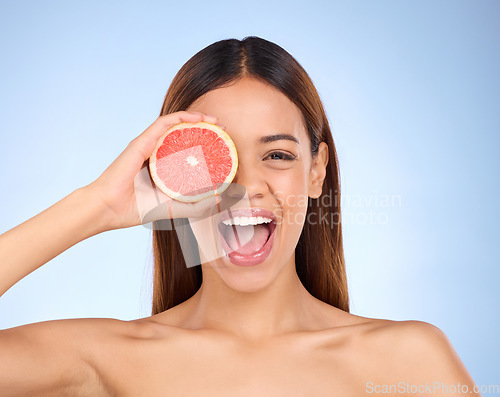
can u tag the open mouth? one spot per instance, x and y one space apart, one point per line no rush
248 239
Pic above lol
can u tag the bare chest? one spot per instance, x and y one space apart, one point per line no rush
194 367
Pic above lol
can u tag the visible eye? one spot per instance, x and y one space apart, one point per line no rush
281 156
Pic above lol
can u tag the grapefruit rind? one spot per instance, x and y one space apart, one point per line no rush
176 195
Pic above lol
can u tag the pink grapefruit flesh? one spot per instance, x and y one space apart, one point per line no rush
193 161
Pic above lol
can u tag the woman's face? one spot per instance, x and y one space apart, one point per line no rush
278 174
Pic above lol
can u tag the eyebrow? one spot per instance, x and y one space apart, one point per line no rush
278 137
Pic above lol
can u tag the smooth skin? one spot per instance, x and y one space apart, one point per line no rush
247 331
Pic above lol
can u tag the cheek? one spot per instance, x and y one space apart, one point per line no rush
292 201
291 190
295 210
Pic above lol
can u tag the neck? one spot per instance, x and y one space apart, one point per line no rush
283 306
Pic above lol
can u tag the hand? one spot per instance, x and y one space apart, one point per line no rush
126 189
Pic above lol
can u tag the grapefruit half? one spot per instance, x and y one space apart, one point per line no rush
193 161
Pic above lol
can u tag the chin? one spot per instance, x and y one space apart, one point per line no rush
246 280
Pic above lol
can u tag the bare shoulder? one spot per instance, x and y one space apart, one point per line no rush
126 354
112 348
419 339
61 357
410 334
412 352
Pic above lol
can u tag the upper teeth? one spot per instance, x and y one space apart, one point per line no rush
244 221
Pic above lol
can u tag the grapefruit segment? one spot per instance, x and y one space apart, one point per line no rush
193 161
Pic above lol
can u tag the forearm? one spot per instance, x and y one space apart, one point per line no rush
33 243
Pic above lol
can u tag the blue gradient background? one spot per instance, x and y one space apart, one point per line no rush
411 91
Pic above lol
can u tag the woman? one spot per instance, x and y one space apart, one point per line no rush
280 327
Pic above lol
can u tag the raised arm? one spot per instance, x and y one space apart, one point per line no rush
62 358
113 201
33 243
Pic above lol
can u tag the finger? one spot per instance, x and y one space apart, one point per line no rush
163 123
193 117
146 142
208 118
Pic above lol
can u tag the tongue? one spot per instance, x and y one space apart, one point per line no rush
250 239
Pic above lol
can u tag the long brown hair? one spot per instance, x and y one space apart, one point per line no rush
319 255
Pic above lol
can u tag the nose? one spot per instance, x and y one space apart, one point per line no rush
251 180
